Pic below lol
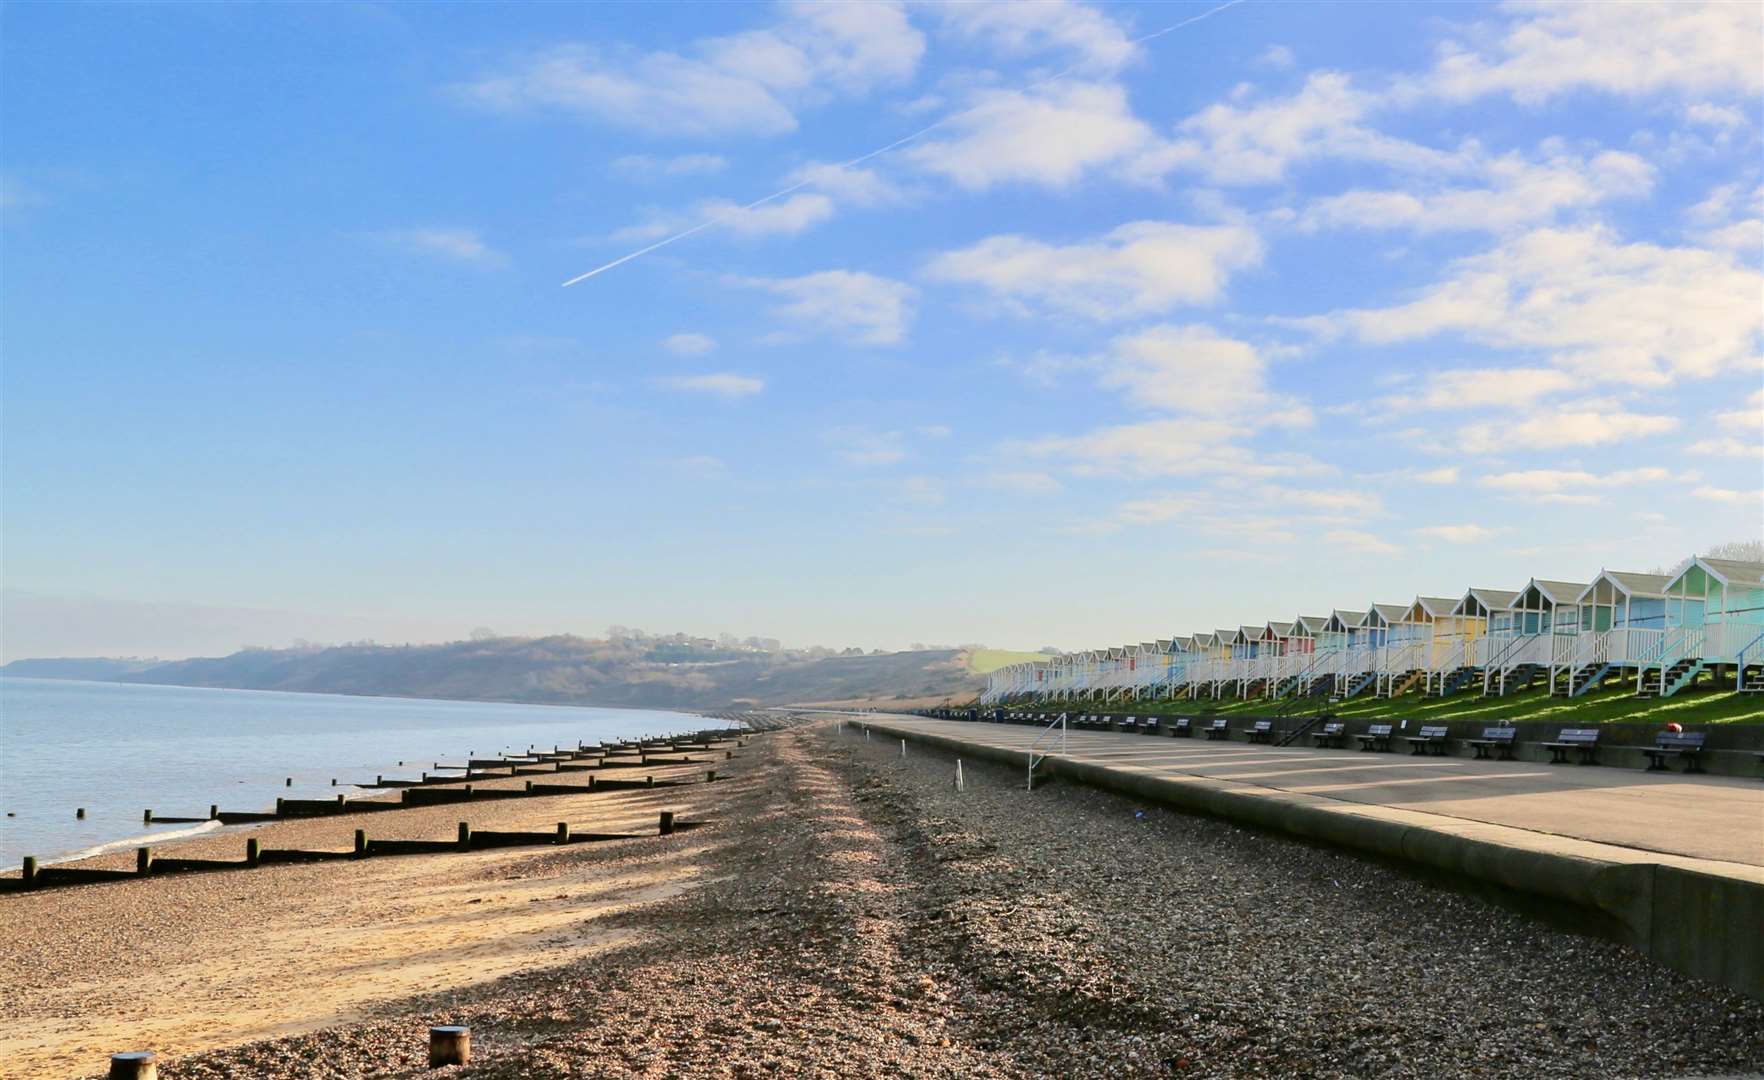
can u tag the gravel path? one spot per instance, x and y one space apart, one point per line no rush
859 917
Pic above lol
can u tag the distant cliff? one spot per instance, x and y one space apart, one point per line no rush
577 671
95 668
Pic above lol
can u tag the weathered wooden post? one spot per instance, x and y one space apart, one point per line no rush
143 860
450 1044
28 874
728 755
360 843
137 1065
253 851
213 811
590 781
333 781
465 836
146 817
563 832
468 791
289 782
667 823
529 788
649 781
278 807
710 776
80 813
379 778
340 800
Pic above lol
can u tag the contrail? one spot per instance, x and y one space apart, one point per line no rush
859 160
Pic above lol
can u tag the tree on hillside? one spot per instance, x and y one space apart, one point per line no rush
1742 550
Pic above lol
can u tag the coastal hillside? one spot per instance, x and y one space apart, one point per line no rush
633 672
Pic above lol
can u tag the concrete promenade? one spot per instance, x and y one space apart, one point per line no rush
1674 864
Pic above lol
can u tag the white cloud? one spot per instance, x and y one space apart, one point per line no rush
15 194
1568 485
452 244
1631 49
1461 534
1141 268
1520 193
1168 447
1051 135
1723 117
647 167
1580 423
859 187
846 304
747 82
1599 308
866 448
1753 499
1359 541
1258 143
788 216
702 467
1468 388
917 490
1025 482
1276 56
1741 431
1193 369
1016 29
690 344
935 431
721 384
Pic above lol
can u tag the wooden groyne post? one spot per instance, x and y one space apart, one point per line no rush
143 860
135 1065
667 823
28 874
465 836
450 1044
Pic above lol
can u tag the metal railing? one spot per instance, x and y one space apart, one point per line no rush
1035 760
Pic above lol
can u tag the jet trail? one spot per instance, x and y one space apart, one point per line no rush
859 160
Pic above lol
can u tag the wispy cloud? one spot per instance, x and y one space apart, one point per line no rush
451 244
649 167
689 344
720 384
848 305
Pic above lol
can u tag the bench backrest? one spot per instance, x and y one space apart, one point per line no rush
1500 734
1264 725
1438 732
1218 725
1335 727
1378 729
1679 740
1182 723
1587 735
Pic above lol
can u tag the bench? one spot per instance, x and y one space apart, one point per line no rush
1151 725
1218 730
1128 723
1182 728
1376 737
1431 739
1495 738
1585 740
1331 734
1685 744
1262 731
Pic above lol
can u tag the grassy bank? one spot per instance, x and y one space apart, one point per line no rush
1688 707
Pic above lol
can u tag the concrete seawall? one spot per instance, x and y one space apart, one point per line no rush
1699 916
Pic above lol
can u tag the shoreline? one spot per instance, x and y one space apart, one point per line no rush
845 912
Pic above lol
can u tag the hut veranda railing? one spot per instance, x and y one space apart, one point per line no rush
1034 758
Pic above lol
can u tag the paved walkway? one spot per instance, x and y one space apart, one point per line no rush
1699 817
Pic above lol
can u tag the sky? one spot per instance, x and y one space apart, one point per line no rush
1162 316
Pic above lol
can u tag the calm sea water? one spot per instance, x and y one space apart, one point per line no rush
118 749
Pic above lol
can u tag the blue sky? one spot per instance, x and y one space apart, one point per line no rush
1296 306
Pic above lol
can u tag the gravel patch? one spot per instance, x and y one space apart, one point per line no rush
860 917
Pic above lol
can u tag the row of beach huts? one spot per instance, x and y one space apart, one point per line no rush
1649 634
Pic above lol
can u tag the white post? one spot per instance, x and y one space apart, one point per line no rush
903 748
959 786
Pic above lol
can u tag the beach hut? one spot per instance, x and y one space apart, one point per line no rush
1400 661
1714 623
1221 670
1281 663
1346 639
1473 615
1435 625
1249 652
1310 660
1622 621
1530 634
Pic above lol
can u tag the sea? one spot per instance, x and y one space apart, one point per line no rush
119 749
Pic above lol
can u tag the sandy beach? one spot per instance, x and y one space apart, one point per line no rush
845 913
